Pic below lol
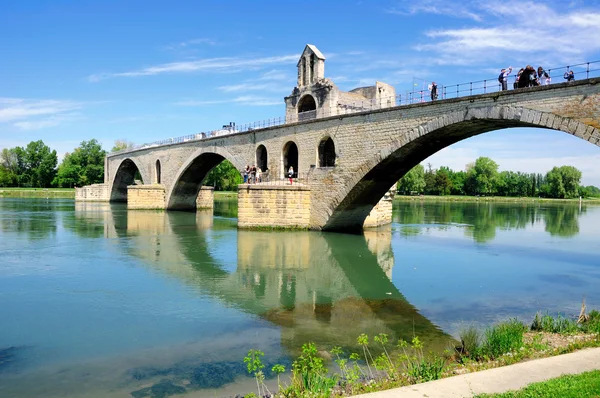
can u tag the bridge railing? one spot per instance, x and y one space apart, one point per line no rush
584 70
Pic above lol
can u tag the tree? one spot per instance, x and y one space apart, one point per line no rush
83 166
121 145
483 176
562 182
40 164
443 182
224 177
11 166
413 181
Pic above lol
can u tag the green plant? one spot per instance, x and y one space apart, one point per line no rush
278 369
384 361
363 340
470 339
421 368
309 375
254 365
502 338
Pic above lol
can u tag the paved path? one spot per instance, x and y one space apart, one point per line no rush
497 380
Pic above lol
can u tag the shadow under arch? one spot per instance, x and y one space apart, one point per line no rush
124 177
361 193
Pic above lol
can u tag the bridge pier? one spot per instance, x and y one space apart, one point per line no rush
382 212
147 197
289 207
205 198
93 193
273 206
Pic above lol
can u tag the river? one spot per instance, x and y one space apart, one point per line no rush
98 301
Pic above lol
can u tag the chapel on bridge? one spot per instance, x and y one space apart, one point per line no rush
316 96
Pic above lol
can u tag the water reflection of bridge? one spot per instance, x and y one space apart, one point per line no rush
326 288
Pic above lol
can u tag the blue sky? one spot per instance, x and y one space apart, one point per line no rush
148 70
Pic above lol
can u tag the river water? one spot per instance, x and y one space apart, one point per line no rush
98 301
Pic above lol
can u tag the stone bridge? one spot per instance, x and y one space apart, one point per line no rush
345 164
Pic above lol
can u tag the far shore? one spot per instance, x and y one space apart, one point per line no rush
70 193
460 198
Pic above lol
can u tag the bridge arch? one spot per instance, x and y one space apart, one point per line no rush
362 191
326 152
188 181
289 158
125 176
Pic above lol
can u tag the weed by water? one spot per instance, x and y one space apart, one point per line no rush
547 323
470 339
503 338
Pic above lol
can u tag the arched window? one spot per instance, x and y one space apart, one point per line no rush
290 158
306 104
326 153
261 158
158 171
307 108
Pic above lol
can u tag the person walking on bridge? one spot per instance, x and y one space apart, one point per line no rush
503 78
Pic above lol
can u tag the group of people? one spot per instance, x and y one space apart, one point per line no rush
252 175
529 77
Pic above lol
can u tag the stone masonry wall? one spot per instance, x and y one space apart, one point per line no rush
281 206
93 193
206 198
146 197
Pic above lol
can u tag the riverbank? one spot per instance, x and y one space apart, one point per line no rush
37 193
458 198
461 370
511 378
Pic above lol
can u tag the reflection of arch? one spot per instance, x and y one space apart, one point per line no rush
306 104
125 175
362 191
290 158
183 193
261 158
326 153
158 171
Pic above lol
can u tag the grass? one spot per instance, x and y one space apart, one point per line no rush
584 385
37 192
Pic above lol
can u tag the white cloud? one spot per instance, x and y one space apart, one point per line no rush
249 100
27 114
517 30
207 65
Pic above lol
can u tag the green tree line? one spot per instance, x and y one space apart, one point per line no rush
36 166
483 178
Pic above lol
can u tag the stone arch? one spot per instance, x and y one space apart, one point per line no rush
289 157
307 103
361 191
185 187
262 158
157 172
326 152
124 176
